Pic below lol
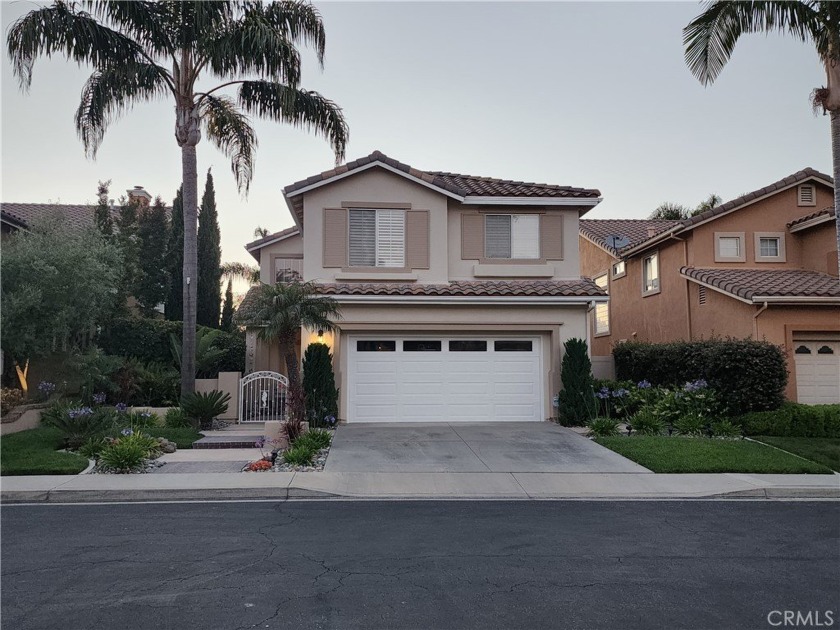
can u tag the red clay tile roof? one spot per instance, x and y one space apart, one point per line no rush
461 185
635 230
584 287
750 284
78 216
828 212
267 239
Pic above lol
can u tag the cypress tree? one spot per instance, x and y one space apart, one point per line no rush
129 242
175 260
152 279
208 299
577 398
227 309
102 212
319 388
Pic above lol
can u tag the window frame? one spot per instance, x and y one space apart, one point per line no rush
377 212
658 288
742 247
511 216
601 305
780 237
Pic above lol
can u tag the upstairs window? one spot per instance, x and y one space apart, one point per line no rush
650 274
377 238
770 247
730 247
619 269
288 269
512 236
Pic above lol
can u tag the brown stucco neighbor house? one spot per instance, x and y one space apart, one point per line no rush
457 292
763 265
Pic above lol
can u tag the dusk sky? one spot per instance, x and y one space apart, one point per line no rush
591 95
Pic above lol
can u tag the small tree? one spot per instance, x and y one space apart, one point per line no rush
227 309
175 260
152 283
102 212
319 384
209 299
577 398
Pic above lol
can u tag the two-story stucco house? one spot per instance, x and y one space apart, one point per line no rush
763 265
457 292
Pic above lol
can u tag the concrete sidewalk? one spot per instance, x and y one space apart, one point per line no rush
469 485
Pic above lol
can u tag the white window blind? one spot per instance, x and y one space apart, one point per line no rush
390 238
362 238
515 236
729 246
602 311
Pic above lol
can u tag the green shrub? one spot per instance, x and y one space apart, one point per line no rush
150 445
603 427
793 420
320 392
77 423
316 439
93 447
202 408
691 424
123 456
176 419
139 419
748 375
577 398
725 429
299 455
645 422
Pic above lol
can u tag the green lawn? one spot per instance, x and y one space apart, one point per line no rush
822 450
703 455
184 438
34 452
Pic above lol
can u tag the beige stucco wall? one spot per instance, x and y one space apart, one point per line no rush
292 246
553 324
818 247
379 186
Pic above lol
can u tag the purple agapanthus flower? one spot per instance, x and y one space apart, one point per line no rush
121 407
46 388
693 386
99 398
127 432
80 412
603 393
146 414
620 393
645 384
260 442
330 420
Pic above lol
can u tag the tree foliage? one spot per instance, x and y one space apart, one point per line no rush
175 260
320 392
58 285
102 213
227 310
152 283
577 398
678 212
209 259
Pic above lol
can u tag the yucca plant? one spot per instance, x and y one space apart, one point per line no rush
202 407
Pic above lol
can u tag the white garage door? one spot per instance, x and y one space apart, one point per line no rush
817 370
444 379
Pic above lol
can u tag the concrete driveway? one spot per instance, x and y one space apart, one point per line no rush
470 447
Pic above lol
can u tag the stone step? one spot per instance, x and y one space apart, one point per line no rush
226 441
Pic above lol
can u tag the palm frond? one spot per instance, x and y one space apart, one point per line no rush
59 28
142 20
109 92
284 308
230 130
194 20
251 45
710 38
300 108
298 21
241 271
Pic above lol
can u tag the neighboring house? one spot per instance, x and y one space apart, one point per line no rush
763 265
457 292
20 216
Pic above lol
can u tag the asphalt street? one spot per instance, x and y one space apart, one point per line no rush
424 565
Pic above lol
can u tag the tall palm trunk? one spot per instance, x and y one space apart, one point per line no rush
190 183
835 154
287 351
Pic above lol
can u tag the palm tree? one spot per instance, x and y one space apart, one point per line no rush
260 232
141 51
284 308
711 37
241 271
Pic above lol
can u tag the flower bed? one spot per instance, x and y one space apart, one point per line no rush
308 453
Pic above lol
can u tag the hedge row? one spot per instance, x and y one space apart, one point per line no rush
748 375
149 341
794 420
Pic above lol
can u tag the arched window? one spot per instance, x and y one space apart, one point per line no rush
825 350
803 350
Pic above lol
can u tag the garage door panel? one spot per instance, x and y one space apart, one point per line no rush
442 385
817 370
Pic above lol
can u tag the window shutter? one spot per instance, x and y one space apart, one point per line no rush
335 237
497 235
525 236
551 236
417 239
472 236
390 238
362 238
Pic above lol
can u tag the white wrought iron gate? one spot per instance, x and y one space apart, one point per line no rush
262 397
